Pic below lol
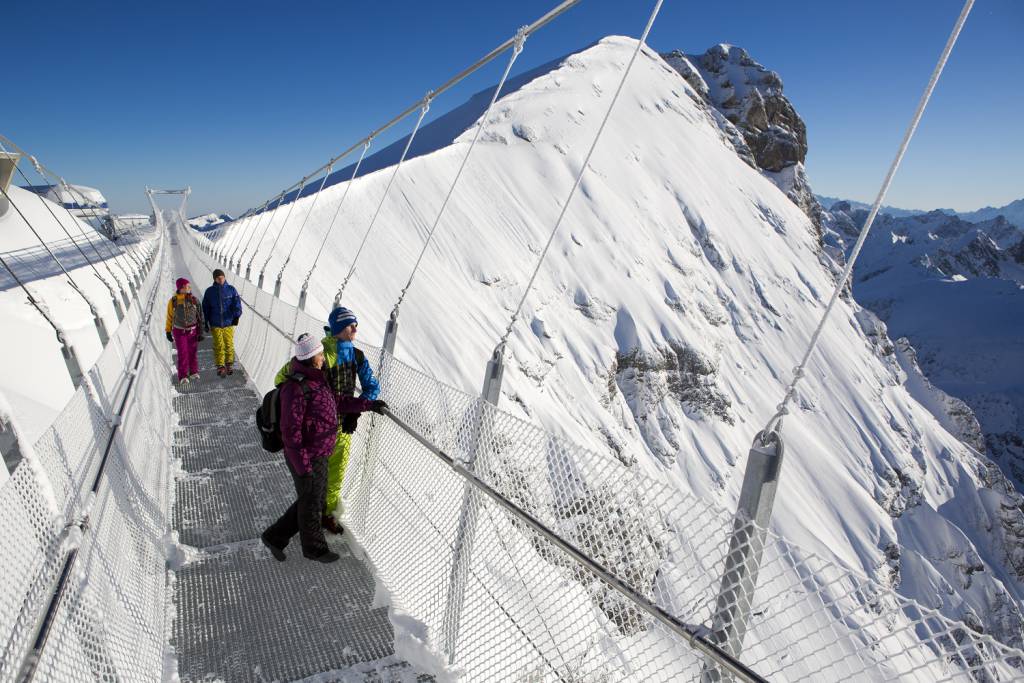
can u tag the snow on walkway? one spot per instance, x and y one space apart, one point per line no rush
239 614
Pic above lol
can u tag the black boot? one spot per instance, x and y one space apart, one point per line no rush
324 556
277 552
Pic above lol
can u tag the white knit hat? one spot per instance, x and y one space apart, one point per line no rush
307 346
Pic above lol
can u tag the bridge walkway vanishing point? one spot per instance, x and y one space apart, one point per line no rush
240 615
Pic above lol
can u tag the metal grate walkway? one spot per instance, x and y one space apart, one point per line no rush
239 614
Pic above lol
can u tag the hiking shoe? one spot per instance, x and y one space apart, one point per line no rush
222 371
230 370
330 525
278 553
325 556
183 382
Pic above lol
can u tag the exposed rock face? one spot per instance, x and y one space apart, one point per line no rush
773 137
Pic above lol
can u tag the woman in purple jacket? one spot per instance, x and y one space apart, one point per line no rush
309 426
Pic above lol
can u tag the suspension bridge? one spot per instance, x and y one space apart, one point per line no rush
477 544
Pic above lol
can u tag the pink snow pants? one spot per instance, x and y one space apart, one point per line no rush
187 343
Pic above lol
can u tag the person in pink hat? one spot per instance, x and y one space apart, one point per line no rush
185 329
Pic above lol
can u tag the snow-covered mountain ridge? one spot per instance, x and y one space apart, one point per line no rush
666 321
955 288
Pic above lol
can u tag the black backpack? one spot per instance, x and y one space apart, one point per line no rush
268 415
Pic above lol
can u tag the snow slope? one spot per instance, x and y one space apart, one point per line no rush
665 323
33 377
955 289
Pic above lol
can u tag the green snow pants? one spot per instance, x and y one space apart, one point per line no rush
336 471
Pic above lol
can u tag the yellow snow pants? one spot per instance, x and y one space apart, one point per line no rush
223 345
336 465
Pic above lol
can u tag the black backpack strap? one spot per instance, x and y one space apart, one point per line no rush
360 357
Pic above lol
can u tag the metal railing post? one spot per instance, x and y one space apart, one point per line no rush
746 546
70 360
466 530
9 446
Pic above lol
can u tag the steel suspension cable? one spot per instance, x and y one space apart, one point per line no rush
337 211
43 172
71 280
579 176
94 214
288 256
270 213
287 217
32 300
241 236
112 252
46 205
775 423
520 39
412 136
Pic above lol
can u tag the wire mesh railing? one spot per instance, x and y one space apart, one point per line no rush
83 519
521 607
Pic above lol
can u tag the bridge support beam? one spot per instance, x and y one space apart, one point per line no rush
471 502
746 546
9 446
70 360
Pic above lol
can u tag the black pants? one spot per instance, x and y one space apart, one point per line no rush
303 516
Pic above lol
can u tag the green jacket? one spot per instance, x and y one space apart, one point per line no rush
330 360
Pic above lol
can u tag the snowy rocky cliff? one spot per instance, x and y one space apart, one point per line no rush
955 290
760 120
671 310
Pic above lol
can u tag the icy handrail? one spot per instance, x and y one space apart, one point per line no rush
812 617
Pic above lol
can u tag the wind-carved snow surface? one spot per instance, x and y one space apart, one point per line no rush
665 323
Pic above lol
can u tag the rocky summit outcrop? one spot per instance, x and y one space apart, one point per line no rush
758 117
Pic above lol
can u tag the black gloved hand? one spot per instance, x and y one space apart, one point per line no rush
349 421
234 323
170 337
378 406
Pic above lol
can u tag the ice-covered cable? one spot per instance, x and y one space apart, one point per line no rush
412 136
270 213
579 176
517 47
775 423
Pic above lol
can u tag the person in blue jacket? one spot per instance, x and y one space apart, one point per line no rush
222 307
344 364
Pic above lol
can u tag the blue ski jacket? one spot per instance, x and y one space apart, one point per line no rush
221 305
367 382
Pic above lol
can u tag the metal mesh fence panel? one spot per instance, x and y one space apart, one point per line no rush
93 563
503 601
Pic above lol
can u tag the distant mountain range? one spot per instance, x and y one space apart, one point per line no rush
1013 212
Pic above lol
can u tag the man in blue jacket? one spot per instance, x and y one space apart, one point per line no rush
222 307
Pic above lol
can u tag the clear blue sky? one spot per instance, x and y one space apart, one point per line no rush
240 99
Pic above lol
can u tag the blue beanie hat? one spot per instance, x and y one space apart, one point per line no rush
340 318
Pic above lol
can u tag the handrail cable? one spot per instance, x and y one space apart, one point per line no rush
544 20
775 423
424 108
688 632
517 48
579 176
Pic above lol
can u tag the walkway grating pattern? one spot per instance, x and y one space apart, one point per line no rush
240 614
